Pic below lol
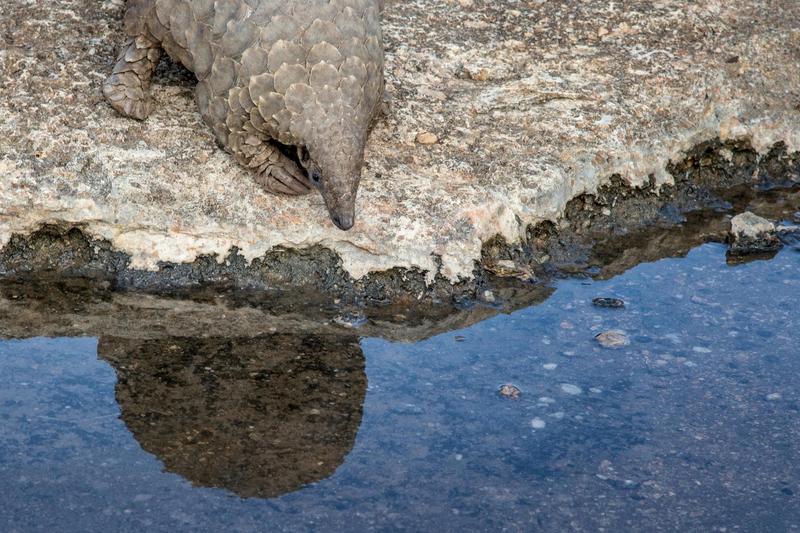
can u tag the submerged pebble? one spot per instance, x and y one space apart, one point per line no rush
509 391
611 303
538 423
550 366
569 388
613 339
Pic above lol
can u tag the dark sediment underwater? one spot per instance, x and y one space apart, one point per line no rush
691 423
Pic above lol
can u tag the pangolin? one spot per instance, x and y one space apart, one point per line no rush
289 87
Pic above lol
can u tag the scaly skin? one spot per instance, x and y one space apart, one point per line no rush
274 76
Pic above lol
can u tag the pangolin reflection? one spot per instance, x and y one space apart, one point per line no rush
257 416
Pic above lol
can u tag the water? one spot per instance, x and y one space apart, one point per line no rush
694 425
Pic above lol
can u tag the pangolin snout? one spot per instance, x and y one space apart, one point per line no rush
340 199
339 174
343 222
343 213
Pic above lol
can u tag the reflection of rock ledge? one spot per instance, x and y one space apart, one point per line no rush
534 106
38 306
260 416
77 308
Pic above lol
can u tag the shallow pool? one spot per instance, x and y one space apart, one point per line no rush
691 423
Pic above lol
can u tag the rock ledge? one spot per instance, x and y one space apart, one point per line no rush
521 110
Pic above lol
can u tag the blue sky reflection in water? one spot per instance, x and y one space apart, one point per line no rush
695 425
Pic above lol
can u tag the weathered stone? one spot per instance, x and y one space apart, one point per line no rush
750 226
573 94
751 234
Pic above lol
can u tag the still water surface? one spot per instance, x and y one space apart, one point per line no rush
694 425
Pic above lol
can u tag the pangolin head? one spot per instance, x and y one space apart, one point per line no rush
334 160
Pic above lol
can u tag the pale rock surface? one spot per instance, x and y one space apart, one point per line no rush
531 103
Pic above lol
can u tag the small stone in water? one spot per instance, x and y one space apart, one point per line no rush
613 339
538 423
549 366
569 388
774 396
509 391
614 303
751 234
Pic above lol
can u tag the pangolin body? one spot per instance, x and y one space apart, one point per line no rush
289 87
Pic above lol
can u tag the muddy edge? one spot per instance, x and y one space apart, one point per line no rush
594 230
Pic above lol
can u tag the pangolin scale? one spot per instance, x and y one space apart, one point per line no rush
289 87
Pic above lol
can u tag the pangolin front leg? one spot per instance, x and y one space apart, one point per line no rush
274 171
128 87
